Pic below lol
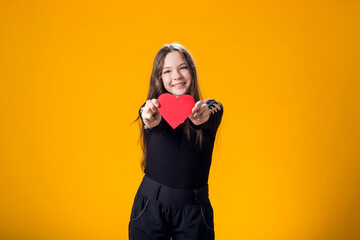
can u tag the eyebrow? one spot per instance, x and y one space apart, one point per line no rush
179 65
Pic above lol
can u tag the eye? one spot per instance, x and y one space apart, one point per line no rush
180 68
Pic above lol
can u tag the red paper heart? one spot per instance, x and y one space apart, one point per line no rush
175 110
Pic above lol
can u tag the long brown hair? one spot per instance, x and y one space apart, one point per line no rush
156 88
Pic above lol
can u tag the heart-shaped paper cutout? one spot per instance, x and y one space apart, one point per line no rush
175 110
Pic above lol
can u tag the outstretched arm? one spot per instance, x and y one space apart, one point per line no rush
215 111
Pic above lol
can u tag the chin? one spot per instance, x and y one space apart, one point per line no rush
179 93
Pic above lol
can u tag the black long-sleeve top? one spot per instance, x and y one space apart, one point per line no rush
173 160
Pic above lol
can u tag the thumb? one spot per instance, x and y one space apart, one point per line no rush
197 106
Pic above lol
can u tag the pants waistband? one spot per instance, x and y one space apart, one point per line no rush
173 196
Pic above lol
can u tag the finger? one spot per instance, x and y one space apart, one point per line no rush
203 108
150 107
204 111
199 112
148 110
200 108
196 107
155 102
148 116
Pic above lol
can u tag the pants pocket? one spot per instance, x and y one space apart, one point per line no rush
139 206
207 214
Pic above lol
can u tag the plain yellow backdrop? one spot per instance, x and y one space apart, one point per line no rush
73 75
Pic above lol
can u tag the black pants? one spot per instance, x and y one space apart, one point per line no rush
160 213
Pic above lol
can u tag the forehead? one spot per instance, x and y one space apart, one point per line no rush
173 59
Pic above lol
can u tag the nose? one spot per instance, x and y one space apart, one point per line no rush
176 74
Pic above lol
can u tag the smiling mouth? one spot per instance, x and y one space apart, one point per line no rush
179 84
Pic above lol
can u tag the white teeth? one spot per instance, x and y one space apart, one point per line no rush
179 84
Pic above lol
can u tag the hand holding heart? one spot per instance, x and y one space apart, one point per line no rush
174 110
200 112
150 113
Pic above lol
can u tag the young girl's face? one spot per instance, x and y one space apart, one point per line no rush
176 76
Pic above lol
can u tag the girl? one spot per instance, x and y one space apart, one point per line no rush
172 200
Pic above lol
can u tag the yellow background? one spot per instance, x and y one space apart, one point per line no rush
73 75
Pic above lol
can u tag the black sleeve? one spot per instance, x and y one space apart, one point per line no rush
216 112
140 110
